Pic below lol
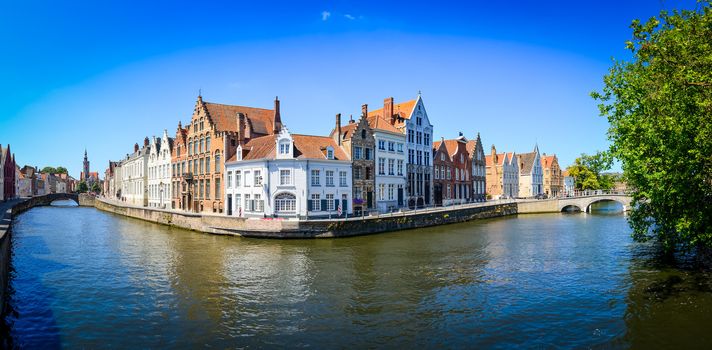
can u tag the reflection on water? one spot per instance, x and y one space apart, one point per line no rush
87 279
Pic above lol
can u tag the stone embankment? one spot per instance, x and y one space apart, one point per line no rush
277 228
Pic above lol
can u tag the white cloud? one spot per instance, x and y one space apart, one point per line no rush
349 16
325 15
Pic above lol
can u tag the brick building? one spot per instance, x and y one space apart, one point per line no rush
356 138
452 165
214 132
479 173
553 177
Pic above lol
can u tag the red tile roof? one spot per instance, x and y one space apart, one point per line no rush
403 109
378 123
225 117
305 147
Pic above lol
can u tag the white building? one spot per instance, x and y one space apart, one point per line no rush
510 175
159 172
290 176
390 165
411 119
134 179
531 175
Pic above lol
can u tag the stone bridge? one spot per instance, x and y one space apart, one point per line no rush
83 200
578 203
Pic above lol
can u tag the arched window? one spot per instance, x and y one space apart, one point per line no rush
363 133
285 203
217 162
201 146
207 144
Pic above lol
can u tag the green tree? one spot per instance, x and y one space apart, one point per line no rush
95 188
587 170
49 170
82 187
659 107
61 170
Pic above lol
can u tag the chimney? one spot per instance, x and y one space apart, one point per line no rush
135 148
351 118
277 120
145 142
338 129
364 110
388 110
460 134
494 155
240 128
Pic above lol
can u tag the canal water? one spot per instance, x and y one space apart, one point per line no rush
83 278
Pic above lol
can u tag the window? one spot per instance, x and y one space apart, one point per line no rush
217 162
357 193
363 134
315 178
238 204
258 178
368 173
207 144
382 145
410 136
316 202
195 147
400 167
247 178
357 152
202 162
437 173
329 153
381 166
357 172
330 202
411 156
400 148
190 145
259 203
448 191
285 177
382 192
369 154
201 188
342 178
284 147
391 167
420 157
391 146
229 179
207 165
248 206
238 178
442 157
426 138
201 146
217 188
330 178
418 137
449 173
462 158
390 191
426 158
207 189
178 151
285 203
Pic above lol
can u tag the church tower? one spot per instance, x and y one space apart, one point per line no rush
85 173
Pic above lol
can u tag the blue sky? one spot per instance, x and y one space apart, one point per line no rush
103 75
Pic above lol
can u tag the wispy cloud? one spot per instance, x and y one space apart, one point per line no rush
348 16
325 15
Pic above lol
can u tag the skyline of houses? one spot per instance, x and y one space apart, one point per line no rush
243 161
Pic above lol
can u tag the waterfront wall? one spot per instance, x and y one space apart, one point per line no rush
5 225
265 228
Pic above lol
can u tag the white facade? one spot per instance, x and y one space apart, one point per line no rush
115 183
134 180
531 175
390 171
510 176
159 172
282 184
419 141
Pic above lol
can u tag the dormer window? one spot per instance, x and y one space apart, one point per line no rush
329 153
284 147
239 152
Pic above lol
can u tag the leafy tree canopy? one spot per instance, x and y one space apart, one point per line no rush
587 171
82 187
659 107
53 170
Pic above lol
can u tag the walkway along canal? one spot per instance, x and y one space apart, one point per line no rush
85 278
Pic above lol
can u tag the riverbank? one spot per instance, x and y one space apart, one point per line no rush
278 228
7 210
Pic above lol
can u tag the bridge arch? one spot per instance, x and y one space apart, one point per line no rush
571 208
584 203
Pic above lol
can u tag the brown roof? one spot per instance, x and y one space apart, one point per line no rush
305 147
346 131
378 123
526 161
225 117
565 173
452 145
500 157
403 109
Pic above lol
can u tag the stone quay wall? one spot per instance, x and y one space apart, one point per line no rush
276 228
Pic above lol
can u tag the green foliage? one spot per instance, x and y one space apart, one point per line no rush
82 187
587 171
95 188
53 170
659 107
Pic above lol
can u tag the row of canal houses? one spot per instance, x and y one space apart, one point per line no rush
243 161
